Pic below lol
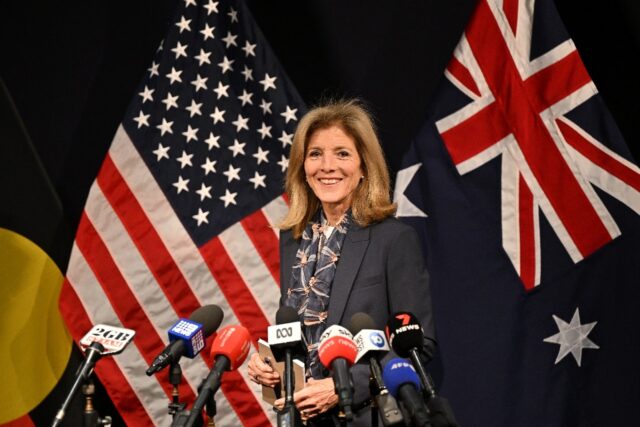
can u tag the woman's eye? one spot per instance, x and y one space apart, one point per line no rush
313 153
343 153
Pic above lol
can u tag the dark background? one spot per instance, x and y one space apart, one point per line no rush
71 68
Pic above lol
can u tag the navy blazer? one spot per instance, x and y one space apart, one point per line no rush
381 271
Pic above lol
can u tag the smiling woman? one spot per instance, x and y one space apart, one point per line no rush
338 239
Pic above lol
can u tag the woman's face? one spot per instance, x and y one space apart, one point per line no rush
332 168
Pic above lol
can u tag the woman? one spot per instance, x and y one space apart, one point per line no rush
341 251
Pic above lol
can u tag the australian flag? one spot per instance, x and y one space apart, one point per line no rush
528 201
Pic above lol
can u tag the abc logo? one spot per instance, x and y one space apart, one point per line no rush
284 332
377 339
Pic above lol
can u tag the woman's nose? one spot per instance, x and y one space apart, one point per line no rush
328 162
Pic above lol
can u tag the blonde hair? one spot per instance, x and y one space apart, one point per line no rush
371 199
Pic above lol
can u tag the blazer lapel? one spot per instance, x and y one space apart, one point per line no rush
354 246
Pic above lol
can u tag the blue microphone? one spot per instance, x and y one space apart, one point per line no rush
403 383
187 336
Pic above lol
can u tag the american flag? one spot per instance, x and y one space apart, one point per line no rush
526 180
182 212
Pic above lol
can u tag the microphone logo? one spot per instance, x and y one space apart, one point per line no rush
377 339
284 332
404 318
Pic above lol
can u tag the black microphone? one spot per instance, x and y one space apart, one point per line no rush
403 383
406 337
372 345
285 339
187 336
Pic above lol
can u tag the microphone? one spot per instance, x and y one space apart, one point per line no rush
285 339
187 336
404 384
100 341
229 350
406 337
337 352
372 345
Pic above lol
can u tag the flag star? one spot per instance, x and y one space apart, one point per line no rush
165 127
200 82
232 173
241 123
217 116
207 32
190 133
286 139
266 107
201 217
249 49
203 57
228 198
154 69
233 14
212 141
142 119
184 24
289 114
190 3
161 152
226 65
181 185
146 94
185 159
230 39
209 166
284 163
258 180
405 207
572 337
174 75
237 147
248 73
170 101
264 131
180 50
204 192
268 82
245 97
194 108
161 46
221 90
261 155
211 7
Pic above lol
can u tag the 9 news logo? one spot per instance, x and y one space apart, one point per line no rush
377 339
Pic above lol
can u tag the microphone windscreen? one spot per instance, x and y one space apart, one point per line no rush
233 342
398 372
286 314
360 321
336 347
209 316
404 333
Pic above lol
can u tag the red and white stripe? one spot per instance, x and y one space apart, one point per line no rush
134 265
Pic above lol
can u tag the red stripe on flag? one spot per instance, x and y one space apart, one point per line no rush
147 240
265 241
23 421
599 157
234 289
510 9
527 235
121 298
116 384
462 74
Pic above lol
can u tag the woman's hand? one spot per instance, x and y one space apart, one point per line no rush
316 397
261 372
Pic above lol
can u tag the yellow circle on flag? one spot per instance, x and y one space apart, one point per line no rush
35 345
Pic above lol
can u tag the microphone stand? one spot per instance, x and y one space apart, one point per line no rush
175 378
91 418
287 415
93 353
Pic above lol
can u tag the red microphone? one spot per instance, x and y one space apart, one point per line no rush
229 351
337 352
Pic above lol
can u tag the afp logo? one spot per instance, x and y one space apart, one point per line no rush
377 339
